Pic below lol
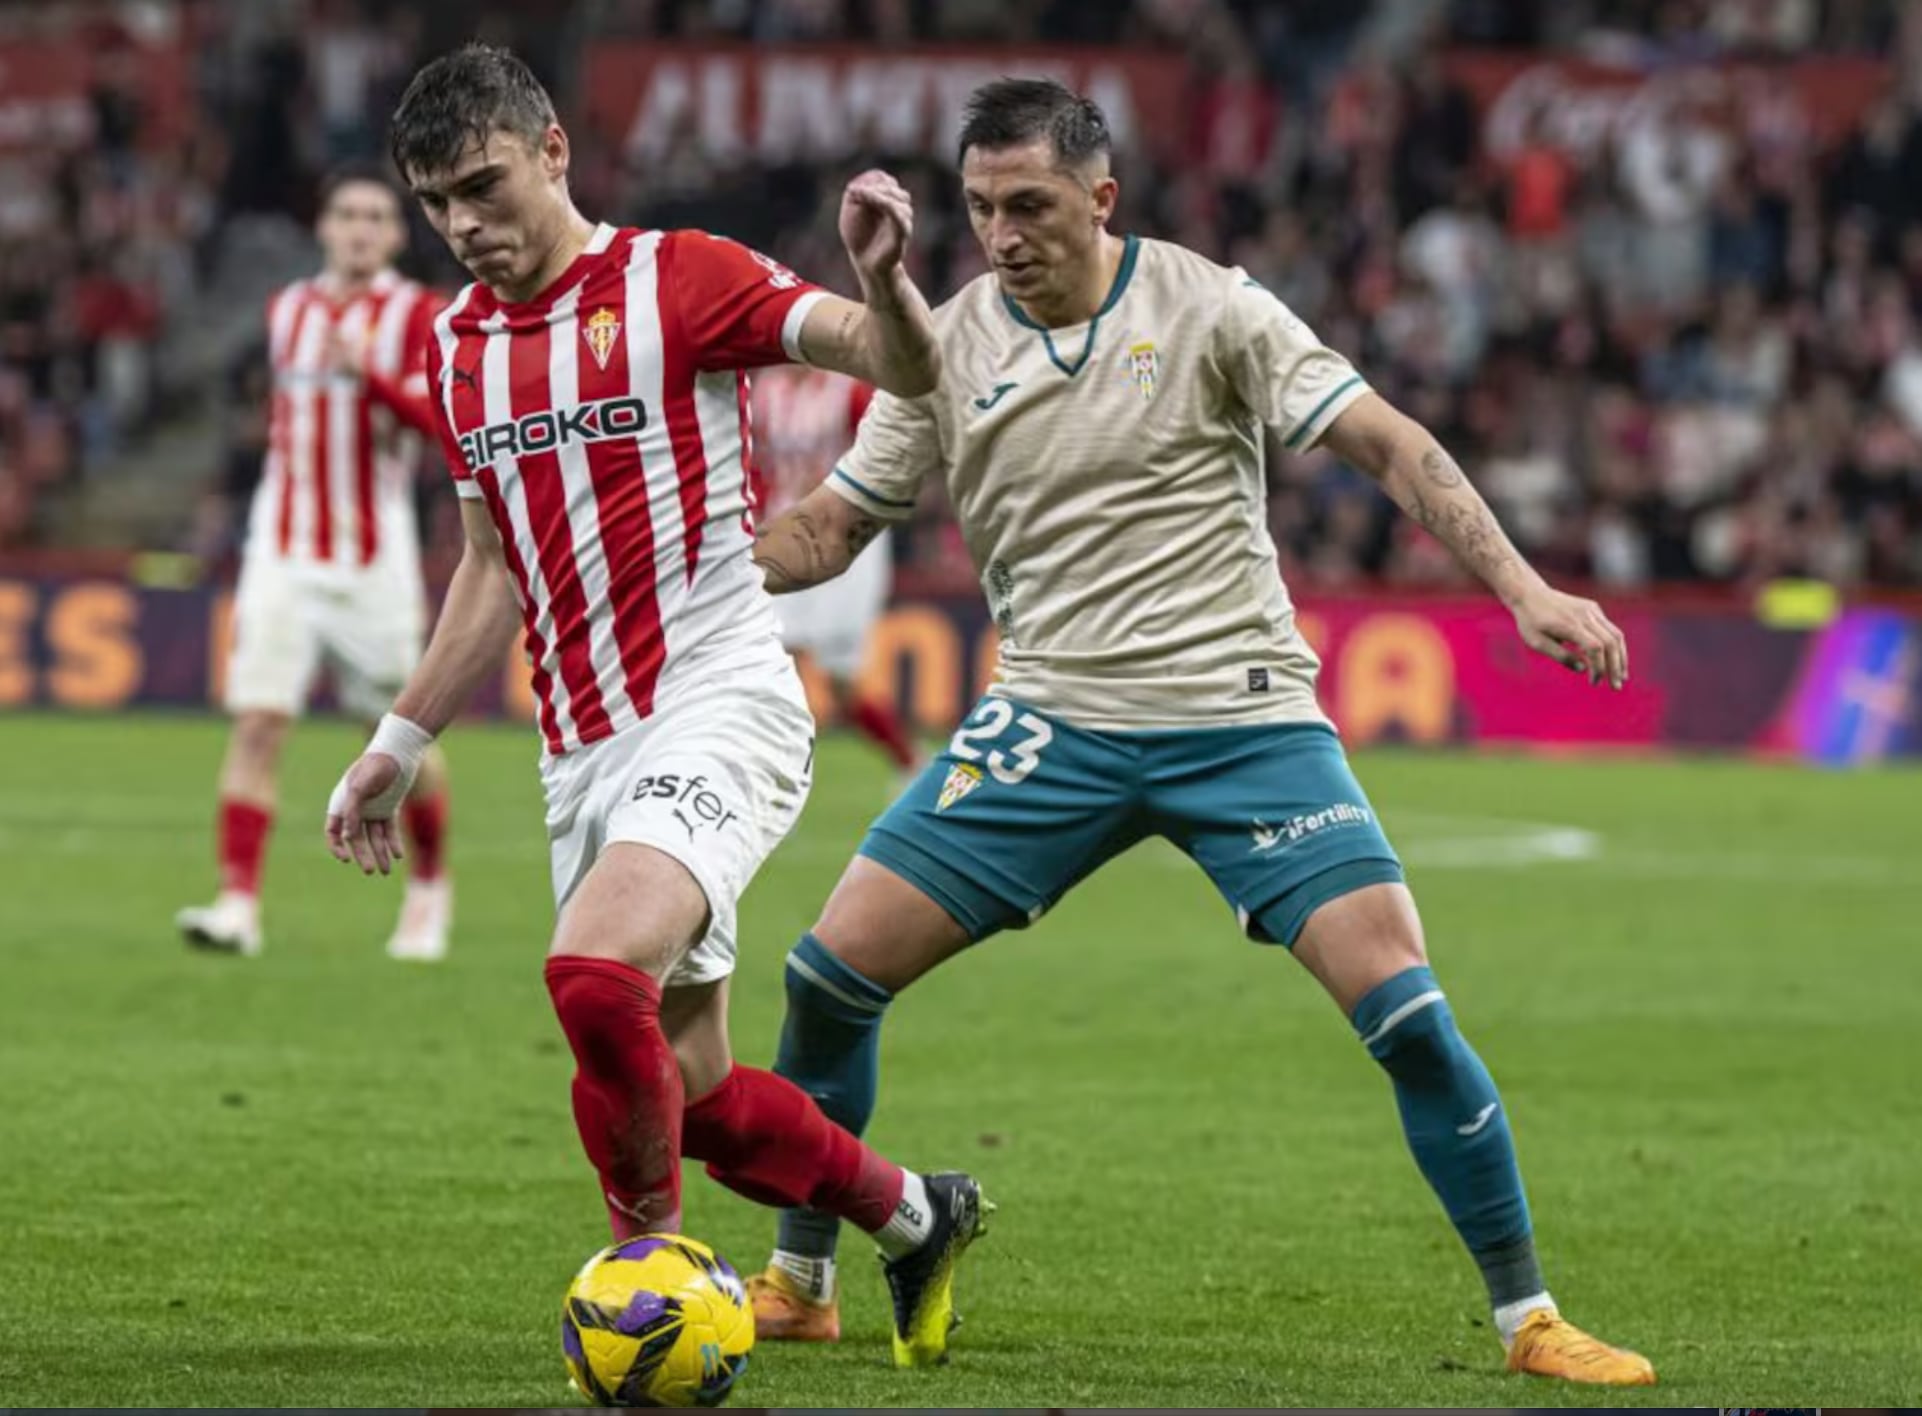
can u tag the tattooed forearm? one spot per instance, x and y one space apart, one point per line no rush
864 530
1439 497
792 553
1441 469
802 548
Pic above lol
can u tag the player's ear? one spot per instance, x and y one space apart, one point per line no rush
1106 193
554 152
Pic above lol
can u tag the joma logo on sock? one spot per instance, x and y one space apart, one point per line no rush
1268 838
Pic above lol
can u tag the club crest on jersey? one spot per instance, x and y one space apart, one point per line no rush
962 779
600 330
1144 365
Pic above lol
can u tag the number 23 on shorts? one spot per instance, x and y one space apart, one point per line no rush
989 723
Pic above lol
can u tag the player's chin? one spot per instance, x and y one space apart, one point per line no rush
1017 278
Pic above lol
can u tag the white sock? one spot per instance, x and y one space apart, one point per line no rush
238 900
813 1276
911 1223
1510 1316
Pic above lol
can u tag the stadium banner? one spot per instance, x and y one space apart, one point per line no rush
1594 111
821 102
1706 674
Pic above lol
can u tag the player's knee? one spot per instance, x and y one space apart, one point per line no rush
1356 942
258 738
1406 1024
884 929
818 981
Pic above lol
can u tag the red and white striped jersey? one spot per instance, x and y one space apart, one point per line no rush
605 424
804 419
336 488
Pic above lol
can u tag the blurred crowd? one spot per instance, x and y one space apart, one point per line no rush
1696 357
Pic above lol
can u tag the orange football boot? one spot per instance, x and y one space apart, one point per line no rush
1549 1345
783 1313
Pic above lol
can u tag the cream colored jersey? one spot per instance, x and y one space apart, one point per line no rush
1109 483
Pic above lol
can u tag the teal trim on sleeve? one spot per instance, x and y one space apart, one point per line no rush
873 495
1294 439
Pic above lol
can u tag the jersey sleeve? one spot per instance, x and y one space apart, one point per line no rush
894 447
1287 377
737 308
463 475
407 393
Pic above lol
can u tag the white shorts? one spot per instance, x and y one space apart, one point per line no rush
832 620
715 779
365 626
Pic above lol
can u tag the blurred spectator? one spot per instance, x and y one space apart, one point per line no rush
1673 340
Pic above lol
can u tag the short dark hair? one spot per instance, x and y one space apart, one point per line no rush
463 97
355 174
1010 112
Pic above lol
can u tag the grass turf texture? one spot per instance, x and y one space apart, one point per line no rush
324 1178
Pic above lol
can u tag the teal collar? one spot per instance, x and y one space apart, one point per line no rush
1131 248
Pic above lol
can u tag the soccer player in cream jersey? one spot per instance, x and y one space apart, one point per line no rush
1100 426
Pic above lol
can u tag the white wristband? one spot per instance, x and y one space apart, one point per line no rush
403 740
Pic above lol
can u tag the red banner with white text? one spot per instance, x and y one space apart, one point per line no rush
780 103
1594 111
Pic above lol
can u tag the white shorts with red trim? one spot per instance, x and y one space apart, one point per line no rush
715 778
364 626
832 621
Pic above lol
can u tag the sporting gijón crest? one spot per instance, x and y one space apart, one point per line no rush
600 330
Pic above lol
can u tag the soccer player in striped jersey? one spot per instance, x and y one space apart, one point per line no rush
804 419
591 393
330 570
1101 430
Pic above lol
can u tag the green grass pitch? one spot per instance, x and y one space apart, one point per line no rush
322 1178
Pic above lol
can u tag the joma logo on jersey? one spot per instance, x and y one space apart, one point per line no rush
533 433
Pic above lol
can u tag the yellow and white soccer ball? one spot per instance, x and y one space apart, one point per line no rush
659 1320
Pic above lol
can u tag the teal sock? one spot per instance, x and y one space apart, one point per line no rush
831 1049
1455 1124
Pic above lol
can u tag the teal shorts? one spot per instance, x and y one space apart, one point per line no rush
1022 806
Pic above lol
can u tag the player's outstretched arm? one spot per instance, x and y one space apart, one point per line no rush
1428 484
476 625
887 341
814 540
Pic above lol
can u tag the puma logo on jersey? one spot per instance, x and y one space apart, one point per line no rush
534 433
988 400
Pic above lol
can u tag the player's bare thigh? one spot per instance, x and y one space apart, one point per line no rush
884 928
637 905
1362 939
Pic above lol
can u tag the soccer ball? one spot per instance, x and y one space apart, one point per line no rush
659 1320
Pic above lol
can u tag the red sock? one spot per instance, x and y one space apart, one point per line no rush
878 721
765 1138
242 844
425 820
627 1092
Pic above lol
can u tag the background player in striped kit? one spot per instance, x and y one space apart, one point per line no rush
804 419
330 573
591 395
